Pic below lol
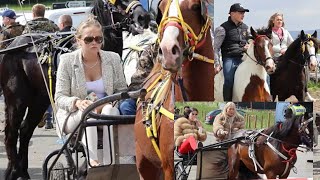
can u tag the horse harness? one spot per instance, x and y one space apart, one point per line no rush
154 106
309 42
111 6
257 59
191 40
251 140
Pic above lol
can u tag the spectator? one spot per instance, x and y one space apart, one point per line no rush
39 23
188 131
226 123
11 28
65 23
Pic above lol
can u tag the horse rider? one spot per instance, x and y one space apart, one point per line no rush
231 38
39 23
11 28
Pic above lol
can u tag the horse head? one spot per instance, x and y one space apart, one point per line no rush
302 125
309 48
306 130
182 30
129 12
263 51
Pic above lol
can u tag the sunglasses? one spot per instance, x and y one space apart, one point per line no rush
89 39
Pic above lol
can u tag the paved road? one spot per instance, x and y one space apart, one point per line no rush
316 164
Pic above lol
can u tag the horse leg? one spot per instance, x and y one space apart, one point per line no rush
167 148
233 161
34 116
14 113
146 169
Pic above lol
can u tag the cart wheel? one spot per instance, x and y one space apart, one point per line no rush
180 174
57 172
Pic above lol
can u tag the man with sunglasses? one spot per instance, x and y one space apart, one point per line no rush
231 38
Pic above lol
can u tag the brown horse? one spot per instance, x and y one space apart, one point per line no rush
184 36
284 137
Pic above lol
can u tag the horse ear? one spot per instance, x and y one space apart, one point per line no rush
314 34
253 32
302 35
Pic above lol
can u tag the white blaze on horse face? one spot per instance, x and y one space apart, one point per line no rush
312 51
169 44
270 66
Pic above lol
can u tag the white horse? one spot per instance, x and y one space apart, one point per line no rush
250 82
132 46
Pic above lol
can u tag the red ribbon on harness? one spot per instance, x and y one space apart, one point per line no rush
291 152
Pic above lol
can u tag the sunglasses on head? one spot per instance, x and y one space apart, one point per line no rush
89 39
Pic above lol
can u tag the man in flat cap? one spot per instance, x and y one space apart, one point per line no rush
11 29
231 38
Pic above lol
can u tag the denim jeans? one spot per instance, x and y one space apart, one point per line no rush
128 107
230 66
49 117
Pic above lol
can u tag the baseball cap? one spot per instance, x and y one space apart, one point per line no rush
10 14
237 7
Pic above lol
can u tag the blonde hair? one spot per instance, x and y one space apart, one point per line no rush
272 18
225 108
38 10
89 22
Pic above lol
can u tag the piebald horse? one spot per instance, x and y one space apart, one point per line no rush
250 83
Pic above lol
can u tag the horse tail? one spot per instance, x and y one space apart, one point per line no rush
246 174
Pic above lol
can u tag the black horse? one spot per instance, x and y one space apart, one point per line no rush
290 68
116 17
23 84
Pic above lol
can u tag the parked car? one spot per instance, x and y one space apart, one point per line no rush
212 114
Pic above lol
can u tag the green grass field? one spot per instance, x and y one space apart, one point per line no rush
265 118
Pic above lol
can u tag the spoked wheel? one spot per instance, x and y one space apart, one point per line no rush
57 172
180 172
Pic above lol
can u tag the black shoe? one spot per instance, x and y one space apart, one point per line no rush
49 125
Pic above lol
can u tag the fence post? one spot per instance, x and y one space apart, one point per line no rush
255 122
261 121
269 119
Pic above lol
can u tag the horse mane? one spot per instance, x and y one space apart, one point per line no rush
282 129
265 31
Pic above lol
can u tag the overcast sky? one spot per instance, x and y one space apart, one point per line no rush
298 14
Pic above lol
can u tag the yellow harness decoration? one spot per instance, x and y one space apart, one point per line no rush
154 107
190 37
113 1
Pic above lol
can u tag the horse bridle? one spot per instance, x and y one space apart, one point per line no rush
191 40
111 6
308 41
258 60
